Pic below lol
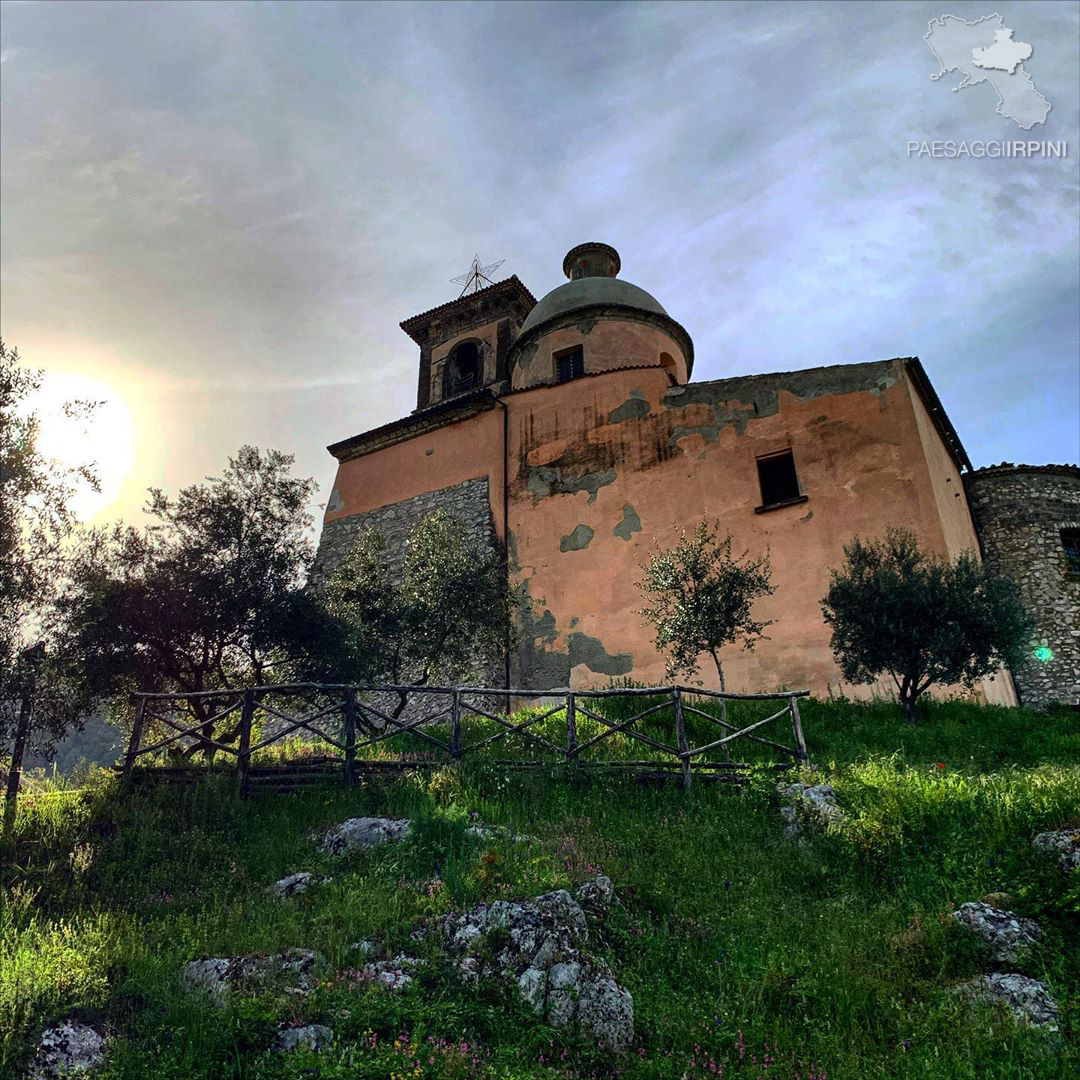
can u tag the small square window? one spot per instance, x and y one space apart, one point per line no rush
1070 541
570 364
779 483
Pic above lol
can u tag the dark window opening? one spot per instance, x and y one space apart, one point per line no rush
462 369
779 483
1070 541
570 364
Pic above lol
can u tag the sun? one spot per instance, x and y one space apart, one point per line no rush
105 439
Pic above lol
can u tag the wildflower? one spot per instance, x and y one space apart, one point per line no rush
941 764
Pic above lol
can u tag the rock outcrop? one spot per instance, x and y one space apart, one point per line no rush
809 804
541 945
67 1050
1009 935
292 885
393 974
310 1037
1028 1000
291 971
1065 843
360 833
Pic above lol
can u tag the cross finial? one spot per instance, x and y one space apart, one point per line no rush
477 277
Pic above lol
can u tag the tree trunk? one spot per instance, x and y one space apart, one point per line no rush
908 701
723 688
22 733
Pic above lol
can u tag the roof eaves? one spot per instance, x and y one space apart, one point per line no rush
914 368
421 420
510 284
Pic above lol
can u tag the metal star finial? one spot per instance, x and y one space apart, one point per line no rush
477 277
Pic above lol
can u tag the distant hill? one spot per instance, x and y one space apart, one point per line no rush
99 743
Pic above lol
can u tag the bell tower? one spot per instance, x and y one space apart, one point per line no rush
464 344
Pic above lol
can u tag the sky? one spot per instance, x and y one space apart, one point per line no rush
213 216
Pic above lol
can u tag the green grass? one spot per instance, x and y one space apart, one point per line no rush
832 957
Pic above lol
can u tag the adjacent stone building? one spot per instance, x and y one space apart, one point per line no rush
568 431
1028 517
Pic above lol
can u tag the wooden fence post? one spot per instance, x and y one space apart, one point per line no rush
14 777
135 740
571 728
243 757
350 736
455 722
680 735
801 752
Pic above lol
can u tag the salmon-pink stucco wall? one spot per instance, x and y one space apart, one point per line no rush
603 469
607 343
427 462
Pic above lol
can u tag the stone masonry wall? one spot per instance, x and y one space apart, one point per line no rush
468 502
1019 511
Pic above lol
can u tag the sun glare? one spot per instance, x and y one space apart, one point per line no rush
104 439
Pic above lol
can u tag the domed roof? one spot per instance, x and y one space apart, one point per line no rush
587 291
592 268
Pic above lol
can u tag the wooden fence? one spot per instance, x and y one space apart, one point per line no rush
358 724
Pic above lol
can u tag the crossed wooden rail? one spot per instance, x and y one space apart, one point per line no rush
364 724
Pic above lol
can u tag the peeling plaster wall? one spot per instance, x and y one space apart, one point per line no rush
428 462
604 468
635 460
950 512
608 344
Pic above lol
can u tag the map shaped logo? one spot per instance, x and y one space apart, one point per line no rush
984 51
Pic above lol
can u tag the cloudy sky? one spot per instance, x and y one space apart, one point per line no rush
216 214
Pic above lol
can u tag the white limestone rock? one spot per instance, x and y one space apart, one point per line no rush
311 1037
597 896
393 974
1065 843
809 804
542 946
292 885
357 834
69 1049
1009 935
1028 1000
292 971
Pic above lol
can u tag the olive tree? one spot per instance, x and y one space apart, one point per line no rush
441 613
920 619
40 701
701 599
209 596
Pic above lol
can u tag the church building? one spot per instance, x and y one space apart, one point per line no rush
569 432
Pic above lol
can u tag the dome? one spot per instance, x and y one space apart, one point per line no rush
587 292
591 268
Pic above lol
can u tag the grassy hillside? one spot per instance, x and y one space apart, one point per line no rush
746 954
